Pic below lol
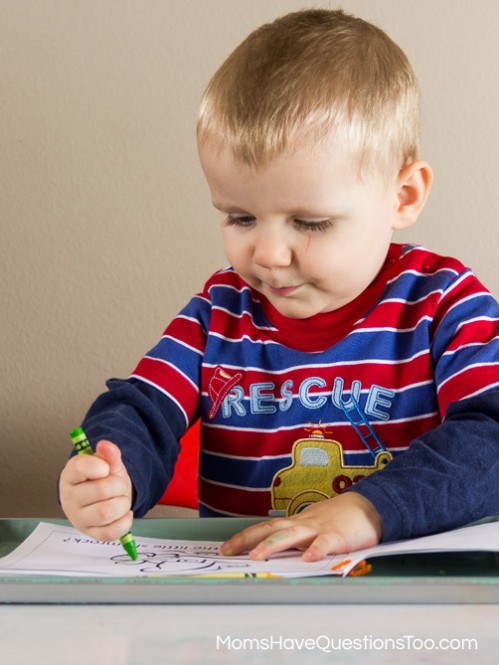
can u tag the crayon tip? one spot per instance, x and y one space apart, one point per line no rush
129 546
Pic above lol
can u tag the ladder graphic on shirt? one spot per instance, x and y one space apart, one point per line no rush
351 409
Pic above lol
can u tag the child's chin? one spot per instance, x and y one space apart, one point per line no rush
295 310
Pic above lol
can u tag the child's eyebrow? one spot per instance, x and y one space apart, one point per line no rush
320 213
228 208
295 212
221 206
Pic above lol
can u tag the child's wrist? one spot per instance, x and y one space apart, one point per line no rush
370 512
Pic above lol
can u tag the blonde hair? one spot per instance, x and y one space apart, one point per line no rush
309 75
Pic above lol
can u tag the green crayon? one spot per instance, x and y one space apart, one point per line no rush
82 447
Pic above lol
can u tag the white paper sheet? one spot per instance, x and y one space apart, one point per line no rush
57 550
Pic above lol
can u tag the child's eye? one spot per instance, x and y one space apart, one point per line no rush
313 224
239 220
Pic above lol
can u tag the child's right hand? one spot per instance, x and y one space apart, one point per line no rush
96 493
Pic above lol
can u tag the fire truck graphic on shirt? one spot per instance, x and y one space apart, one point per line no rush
317 471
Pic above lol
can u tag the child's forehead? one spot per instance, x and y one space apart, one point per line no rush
307 180
305 149
304 160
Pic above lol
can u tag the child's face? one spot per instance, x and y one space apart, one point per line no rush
305 230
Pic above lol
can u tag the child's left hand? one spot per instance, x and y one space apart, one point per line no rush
345 523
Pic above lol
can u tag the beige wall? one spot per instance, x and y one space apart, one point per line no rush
106 225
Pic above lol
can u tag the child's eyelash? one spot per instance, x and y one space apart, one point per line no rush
243 220
319 225
302 224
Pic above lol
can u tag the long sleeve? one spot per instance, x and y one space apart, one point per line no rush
447 477
146 426
450 475
148 413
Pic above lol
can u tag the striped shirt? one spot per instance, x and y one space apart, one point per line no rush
295 410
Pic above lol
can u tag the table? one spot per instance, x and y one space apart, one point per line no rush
187 634
470 578
352 621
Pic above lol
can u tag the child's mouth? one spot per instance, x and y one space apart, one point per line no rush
283 291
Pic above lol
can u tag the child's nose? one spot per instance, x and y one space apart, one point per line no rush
272 249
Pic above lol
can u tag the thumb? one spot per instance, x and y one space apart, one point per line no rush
110 453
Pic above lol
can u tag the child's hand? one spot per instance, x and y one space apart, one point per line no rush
96 493
342 524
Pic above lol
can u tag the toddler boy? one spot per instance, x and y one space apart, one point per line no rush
346 384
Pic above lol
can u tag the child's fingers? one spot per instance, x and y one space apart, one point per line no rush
96 491
297 536
292 534
103 514
324 544
334 526
277 534
84 467
111 530
246 539
99 517
111 454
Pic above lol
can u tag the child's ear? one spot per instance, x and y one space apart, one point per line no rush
413 186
